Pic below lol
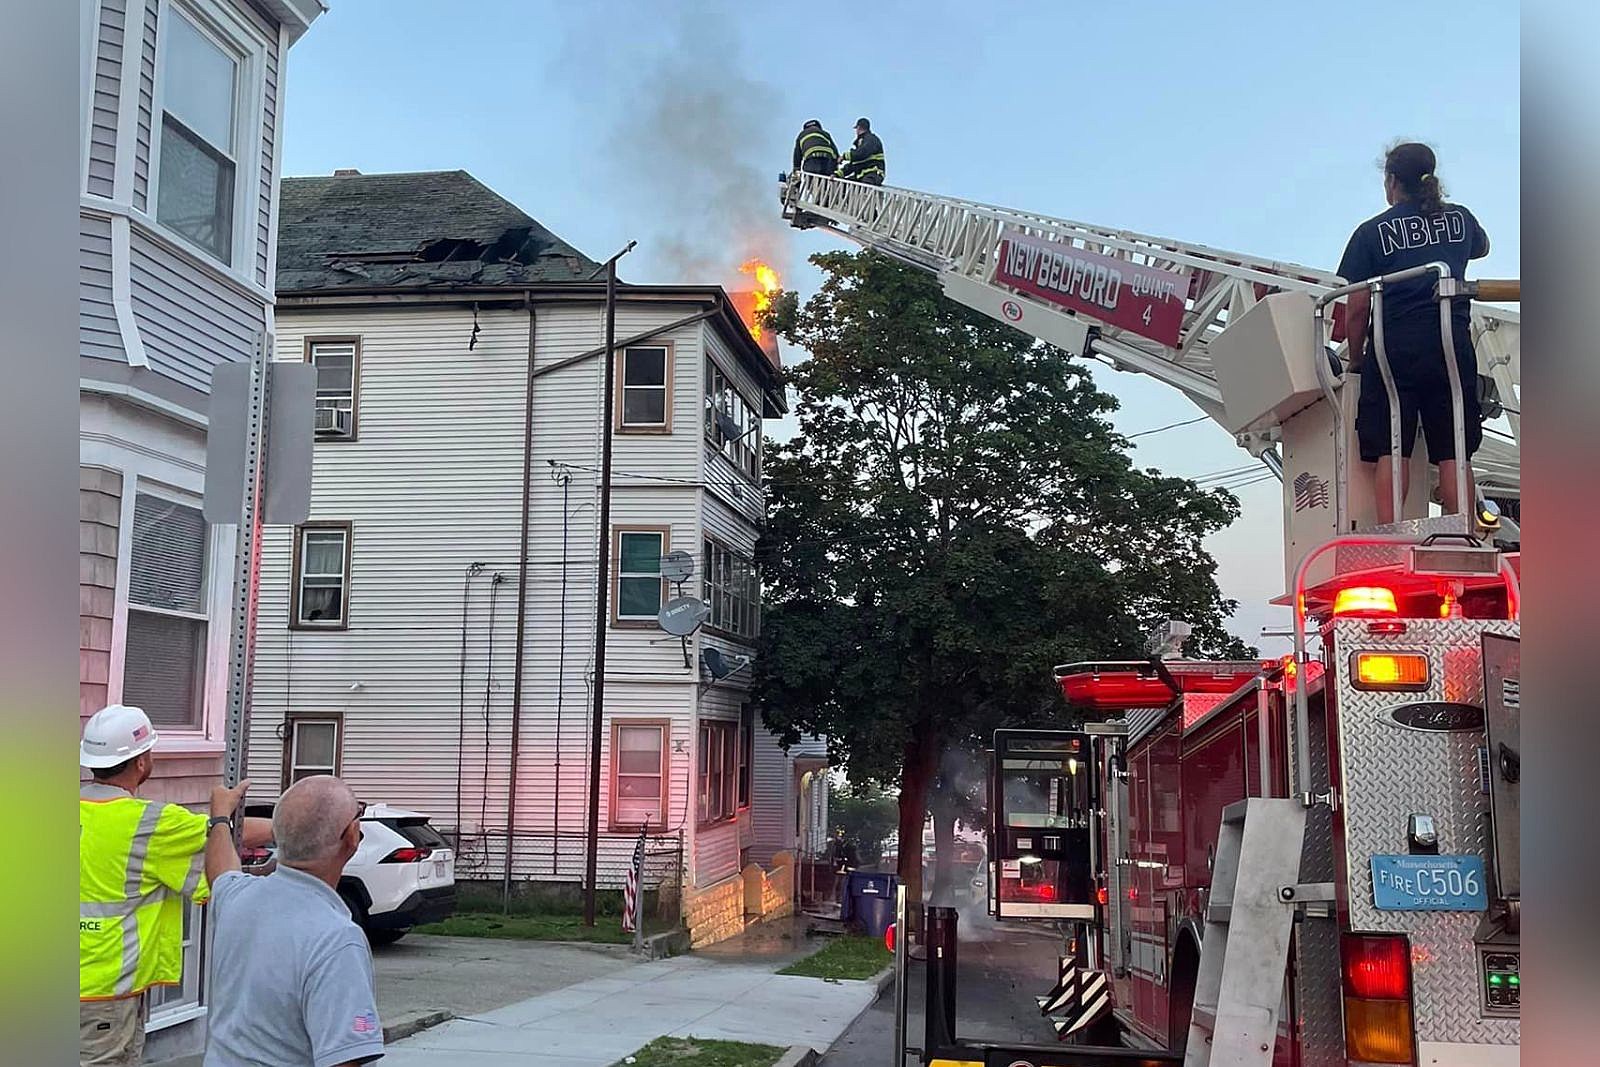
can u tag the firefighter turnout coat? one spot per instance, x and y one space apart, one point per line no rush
864 161
137 861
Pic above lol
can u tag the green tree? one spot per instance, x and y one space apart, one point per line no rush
955 516
865 814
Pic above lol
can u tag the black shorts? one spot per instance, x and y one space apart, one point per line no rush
1423 385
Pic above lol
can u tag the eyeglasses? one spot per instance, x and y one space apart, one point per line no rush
361 809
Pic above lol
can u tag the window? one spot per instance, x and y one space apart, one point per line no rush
312 745
164 661
733 589
171 1000
638 775
719 747
636 594
321 588
747 733
732 424
198 169
645 403
338 363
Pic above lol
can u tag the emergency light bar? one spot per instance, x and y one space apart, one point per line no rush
1454 561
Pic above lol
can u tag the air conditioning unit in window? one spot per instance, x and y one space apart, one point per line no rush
333 422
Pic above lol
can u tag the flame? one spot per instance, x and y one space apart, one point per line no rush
767 283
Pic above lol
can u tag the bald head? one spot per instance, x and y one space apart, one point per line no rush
311 818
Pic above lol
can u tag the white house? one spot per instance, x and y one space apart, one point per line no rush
181 124
446 578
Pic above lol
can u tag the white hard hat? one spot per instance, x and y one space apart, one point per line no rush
115 735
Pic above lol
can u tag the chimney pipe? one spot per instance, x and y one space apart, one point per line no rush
346 172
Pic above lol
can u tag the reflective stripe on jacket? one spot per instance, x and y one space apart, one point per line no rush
865 158
815 144
137 860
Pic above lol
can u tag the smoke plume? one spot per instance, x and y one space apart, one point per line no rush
696 146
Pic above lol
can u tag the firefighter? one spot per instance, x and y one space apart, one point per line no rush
814 150
864 161
1419 227
137 860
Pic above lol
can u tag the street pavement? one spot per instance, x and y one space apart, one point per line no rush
999 970
422 975
598 1022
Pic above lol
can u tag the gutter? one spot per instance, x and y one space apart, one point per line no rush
522 600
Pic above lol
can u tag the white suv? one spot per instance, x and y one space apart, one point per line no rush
402 875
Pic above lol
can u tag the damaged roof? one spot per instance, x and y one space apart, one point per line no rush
431 229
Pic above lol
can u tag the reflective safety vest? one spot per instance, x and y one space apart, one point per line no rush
137 860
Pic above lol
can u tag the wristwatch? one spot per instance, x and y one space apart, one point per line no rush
219 820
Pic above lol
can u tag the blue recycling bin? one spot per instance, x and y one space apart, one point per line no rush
869 901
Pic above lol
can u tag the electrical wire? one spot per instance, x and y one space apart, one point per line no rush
1168 426
488 684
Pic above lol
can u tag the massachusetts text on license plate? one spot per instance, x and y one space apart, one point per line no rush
1428 883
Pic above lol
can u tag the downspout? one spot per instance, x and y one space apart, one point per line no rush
522 606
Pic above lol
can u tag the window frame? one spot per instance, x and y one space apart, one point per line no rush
619 424
189 994
742 611
248 47
664 726
310 346
745 790
722 736
618 620
748 416
296 578
291 722
206 597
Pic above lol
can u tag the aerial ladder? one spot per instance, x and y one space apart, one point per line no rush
1256 345
1190 295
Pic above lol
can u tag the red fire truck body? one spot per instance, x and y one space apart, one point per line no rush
1396 704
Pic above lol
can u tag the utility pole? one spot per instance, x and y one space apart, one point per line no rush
602 583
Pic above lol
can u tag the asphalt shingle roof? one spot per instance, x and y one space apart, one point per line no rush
432 229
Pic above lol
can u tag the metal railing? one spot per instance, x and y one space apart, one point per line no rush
1446 290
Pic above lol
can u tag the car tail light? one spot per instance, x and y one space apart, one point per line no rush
1389 670
1376 974
1365 600
407 855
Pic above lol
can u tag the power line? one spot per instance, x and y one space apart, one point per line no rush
1168 426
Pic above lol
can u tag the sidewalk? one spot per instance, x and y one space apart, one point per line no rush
730 993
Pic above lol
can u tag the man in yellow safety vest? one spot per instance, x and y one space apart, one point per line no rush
137 860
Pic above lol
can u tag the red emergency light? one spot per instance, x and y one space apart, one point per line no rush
1121 687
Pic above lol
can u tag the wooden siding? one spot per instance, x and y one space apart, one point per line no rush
772 801
103 103
188 321
98 334
269 142
99 516
433 485
144 17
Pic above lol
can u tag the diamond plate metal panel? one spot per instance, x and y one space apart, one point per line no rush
1389 772
1318 999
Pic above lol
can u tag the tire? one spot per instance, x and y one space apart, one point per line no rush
385 937
1185 973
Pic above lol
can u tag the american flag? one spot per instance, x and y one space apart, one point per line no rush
630 889
1310 492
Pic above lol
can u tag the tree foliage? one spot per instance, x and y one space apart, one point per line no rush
956 516
865 815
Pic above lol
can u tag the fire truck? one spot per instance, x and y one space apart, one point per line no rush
1299 862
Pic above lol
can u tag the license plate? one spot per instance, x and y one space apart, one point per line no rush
1429 883
438 868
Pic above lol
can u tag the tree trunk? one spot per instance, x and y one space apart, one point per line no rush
916 775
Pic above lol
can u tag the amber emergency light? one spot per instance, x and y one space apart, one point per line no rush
1389 671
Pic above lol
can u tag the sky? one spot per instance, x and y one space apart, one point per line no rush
1254 127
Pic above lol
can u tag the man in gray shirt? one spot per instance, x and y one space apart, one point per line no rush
291 973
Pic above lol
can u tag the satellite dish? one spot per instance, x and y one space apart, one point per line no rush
682 615
729 428
717 664
677 566
714 662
